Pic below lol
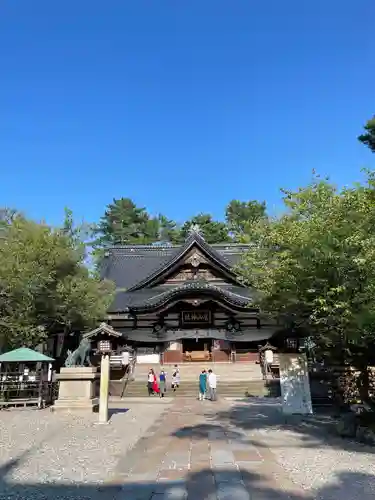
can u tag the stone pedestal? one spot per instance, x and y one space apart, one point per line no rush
77 389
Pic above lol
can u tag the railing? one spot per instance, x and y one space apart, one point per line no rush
270 370
118 368
129 374
115 361
132 364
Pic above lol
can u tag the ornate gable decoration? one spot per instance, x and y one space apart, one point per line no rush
191 268
193 274
195 258
195 229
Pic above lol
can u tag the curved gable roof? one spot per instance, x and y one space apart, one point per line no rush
170 265
152 298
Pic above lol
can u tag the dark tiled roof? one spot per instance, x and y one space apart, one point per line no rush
158 296
193 240
124 300
126 266
129 265
137 269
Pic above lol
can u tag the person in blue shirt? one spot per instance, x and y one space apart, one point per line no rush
202 385
162 383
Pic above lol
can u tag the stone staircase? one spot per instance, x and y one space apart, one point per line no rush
190 371
233 380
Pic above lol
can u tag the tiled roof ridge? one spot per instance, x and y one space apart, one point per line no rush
168 247
194 285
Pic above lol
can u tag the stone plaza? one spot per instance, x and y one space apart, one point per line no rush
180 449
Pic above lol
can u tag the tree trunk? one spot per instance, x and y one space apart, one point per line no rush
69 343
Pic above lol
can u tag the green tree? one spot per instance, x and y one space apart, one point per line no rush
212 231
79 234
44 285
168 230
315 266
241 216
124 223
368 138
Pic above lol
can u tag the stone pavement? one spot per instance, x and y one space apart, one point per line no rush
181 449
56 455
188 454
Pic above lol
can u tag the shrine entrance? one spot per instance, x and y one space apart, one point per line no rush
197 344
197 349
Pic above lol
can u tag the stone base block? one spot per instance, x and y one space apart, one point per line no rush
72 405
77 388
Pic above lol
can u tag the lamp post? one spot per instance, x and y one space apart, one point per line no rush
104 347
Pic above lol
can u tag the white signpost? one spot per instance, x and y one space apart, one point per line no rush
294 384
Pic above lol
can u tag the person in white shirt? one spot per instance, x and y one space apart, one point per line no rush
212 385
151 382
176 378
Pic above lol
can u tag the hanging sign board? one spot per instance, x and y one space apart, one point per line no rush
195 317
295 384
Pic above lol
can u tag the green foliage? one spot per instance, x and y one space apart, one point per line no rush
168 230
315 266
368 138
44 284
212 231
124 223
241 216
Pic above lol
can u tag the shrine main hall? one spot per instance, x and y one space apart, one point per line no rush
184 303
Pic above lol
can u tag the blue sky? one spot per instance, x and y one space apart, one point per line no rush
180 105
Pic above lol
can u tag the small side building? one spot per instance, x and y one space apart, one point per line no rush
25 378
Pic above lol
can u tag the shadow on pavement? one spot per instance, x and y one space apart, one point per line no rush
314 430
207 431
247 416
114 411
202 485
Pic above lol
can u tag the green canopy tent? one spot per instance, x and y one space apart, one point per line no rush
19 385
24 355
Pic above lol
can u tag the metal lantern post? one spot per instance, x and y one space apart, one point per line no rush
104 347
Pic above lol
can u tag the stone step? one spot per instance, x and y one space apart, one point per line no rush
191 371
190 389
200 366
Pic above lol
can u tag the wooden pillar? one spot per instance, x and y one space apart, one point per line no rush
233 352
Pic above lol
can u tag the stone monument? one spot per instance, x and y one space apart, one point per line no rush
78 383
